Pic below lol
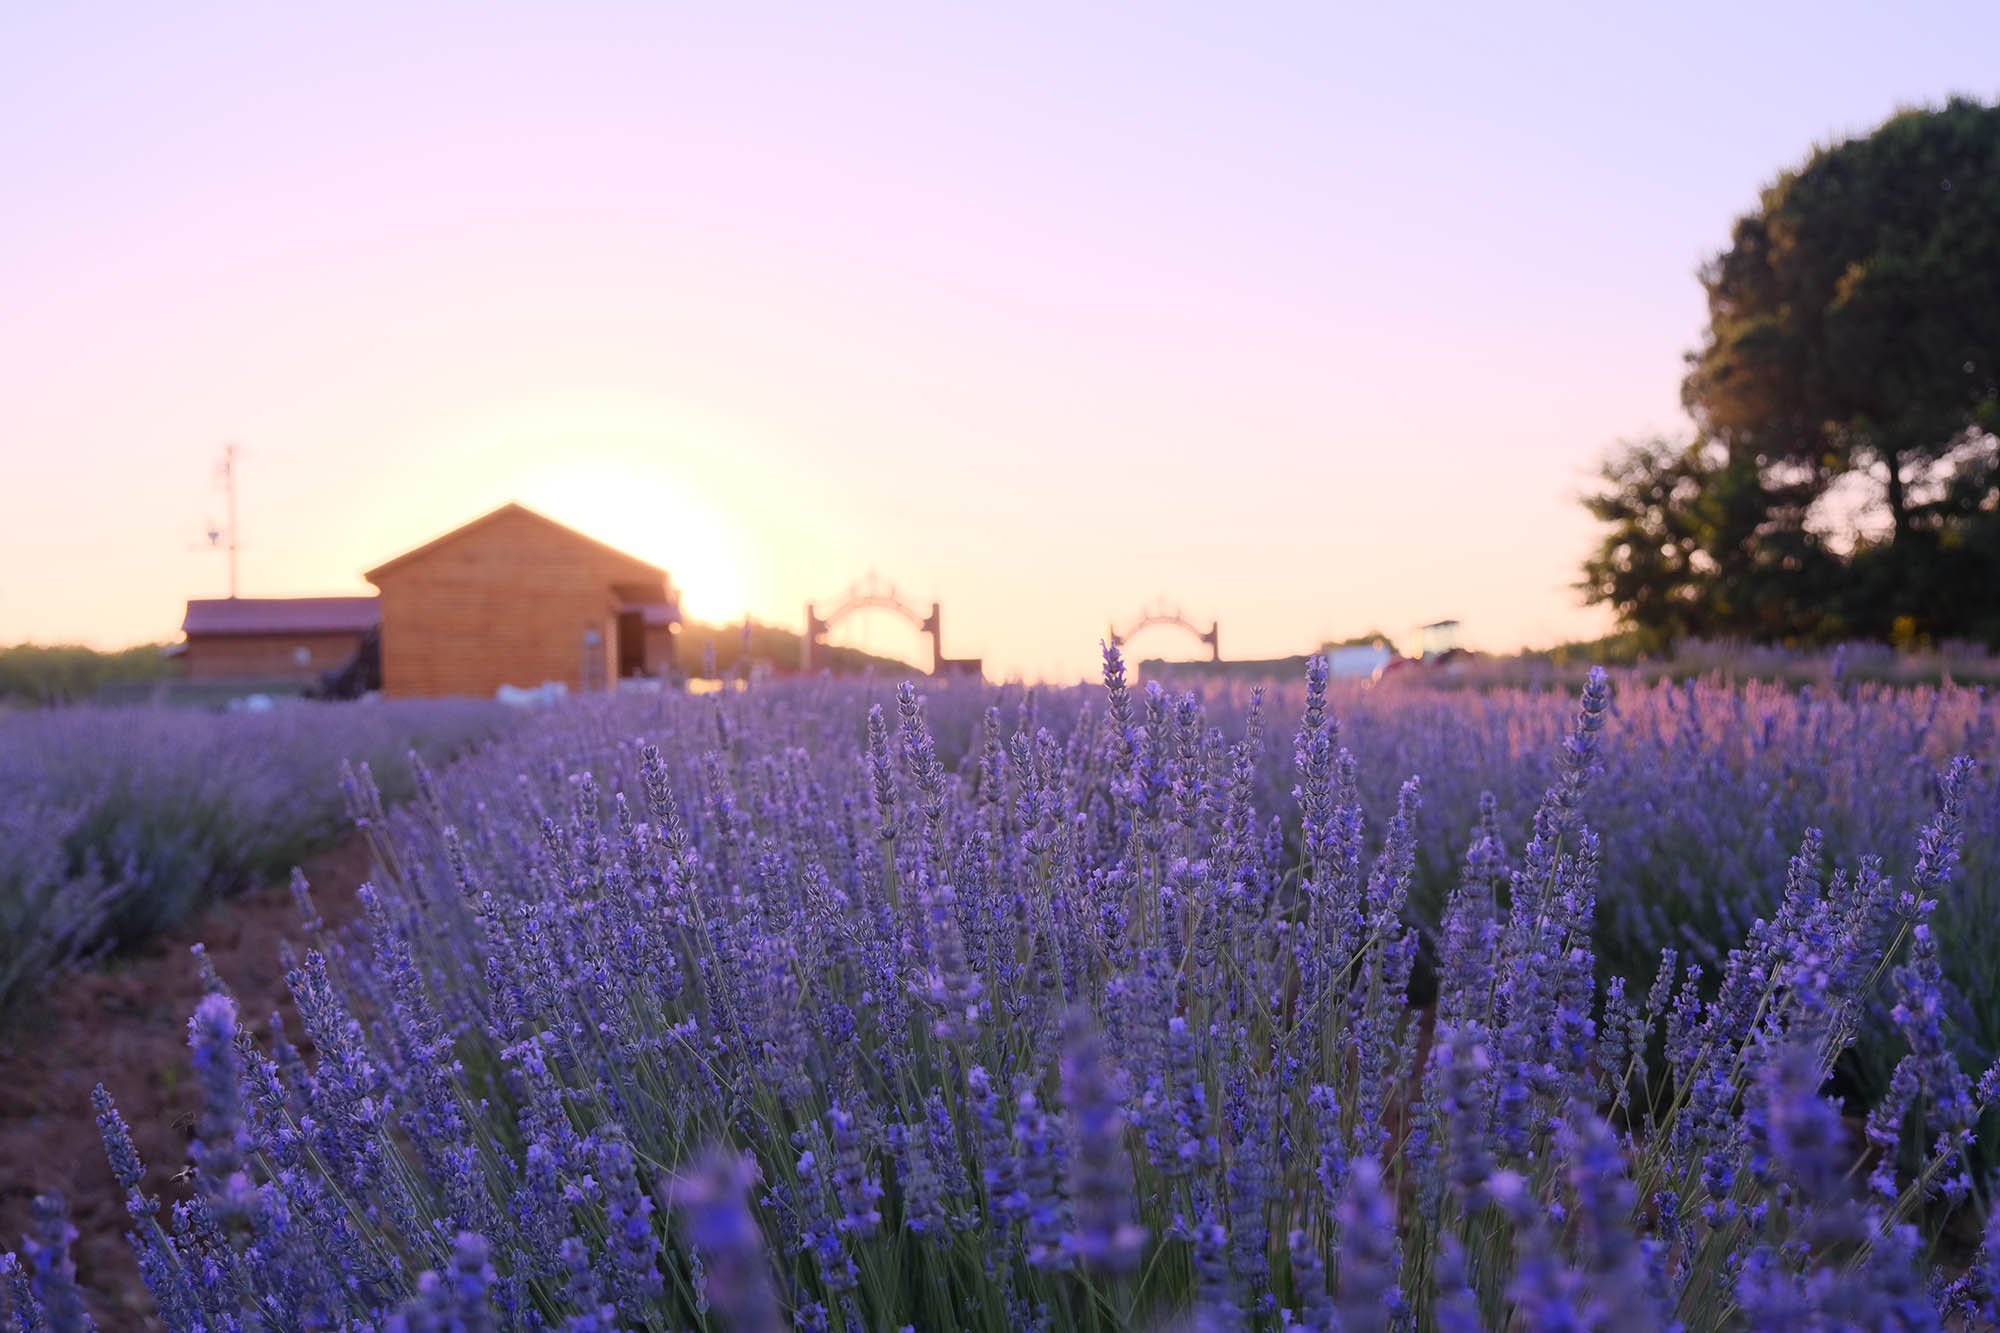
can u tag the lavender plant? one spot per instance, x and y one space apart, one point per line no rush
115 823
800 1007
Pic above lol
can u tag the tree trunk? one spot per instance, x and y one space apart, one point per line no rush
1899 509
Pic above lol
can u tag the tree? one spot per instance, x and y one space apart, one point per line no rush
1694 550
1854 321
1645 568
1854 336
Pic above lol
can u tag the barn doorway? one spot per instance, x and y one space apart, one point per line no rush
631 644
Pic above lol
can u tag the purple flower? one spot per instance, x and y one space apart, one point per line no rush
118 1147
1369 1296
454 1301
819 1232
631 1244
883 770
52 1291
1046 1217
222 1134
855 1184
709 1200
1103 1233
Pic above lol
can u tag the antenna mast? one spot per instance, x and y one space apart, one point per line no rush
226 471
229 480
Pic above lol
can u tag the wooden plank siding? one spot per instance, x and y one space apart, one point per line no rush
213 656
508 599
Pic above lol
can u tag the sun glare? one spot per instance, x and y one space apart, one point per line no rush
698 547
622 467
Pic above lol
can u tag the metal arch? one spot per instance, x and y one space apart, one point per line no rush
868 594
1162 615
1152 618
883 601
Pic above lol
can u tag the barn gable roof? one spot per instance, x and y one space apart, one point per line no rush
506 510
281 615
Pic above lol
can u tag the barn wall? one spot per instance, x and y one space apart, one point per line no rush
507 602
210 656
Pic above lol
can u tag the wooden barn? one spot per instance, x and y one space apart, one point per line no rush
272 638
515 598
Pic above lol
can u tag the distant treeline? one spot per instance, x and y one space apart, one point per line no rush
48 674
775 645
1251 669
1834 667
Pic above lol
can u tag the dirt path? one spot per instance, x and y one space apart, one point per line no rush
125 1025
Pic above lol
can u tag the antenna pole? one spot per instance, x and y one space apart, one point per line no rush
229 481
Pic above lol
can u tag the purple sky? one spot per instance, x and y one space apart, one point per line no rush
1312 321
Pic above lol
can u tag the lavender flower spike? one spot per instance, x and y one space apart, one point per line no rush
222 1135
1369 1298
709 1200
1103 1234
54 1282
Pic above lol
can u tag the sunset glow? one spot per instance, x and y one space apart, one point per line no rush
619 470
1087 668
1315 324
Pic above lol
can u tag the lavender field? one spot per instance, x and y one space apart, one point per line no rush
829 1006
117 822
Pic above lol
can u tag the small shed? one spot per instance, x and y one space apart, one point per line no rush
289 638
516 598
1438 638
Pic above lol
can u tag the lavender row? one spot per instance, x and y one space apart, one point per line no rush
792 1010
117 822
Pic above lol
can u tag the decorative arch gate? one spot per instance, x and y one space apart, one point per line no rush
873 594
1164 615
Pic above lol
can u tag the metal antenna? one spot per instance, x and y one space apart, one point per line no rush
229 482
226 472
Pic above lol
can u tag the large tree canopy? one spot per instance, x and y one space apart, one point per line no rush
1853 348
1855 319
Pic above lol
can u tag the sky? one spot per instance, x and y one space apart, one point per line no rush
1307 319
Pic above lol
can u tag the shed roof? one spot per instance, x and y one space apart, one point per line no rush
281 615
510 508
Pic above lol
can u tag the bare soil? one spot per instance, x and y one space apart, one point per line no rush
124 1024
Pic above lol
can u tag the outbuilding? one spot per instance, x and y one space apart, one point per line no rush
516 598
273 638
